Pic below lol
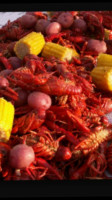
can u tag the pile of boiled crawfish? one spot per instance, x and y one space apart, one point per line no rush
68 138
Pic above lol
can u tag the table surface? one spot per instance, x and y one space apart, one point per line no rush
5 16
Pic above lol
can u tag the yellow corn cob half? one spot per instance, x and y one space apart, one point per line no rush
6 119
104 60
108 34
30 44
102 77
74 53
61 52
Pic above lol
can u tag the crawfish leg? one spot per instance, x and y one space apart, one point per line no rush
78 122
44 163
70 137
5 62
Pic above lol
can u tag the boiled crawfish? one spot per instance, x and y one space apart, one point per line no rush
25 75
32 71
27 122
52 87
43 143
13 31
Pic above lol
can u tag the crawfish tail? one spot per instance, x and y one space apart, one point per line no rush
92 142
59 87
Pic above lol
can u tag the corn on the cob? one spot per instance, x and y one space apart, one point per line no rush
108 34
30 44
58 51
104 60
102 77
6 119
74 53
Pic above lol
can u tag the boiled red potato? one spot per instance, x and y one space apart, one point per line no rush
22 97
80 25
15 62
3 82
28 21
97 46
11 48
53 28
65 19
39 100
21 156
41 25
6 72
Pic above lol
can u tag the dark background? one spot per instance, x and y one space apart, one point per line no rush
77 188
47 5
